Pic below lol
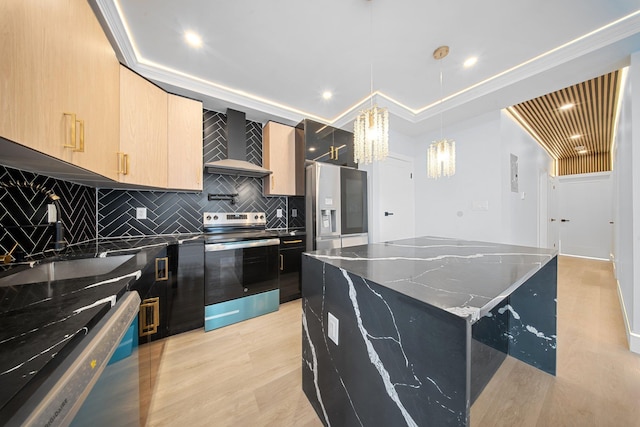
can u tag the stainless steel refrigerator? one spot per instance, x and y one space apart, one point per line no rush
336 206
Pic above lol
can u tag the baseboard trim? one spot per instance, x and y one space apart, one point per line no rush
585 257
633 339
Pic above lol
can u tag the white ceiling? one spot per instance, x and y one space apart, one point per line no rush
273 59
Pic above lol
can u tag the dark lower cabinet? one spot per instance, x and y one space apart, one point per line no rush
291 248
152 318
186 293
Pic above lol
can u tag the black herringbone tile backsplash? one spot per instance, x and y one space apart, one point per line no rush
23 211
88 213
170 212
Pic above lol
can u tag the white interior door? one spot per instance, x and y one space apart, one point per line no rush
585 215
394 208
553 221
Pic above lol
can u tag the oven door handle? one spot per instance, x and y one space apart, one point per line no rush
227 246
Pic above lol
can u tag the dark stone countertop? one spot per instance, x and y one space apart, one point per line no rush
42 322
466 278
286 232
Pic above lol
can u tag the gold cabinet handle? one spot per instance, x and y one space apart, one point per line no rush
126 164
281 262
74 135
73 131
333 153
273 181
149 316
120 154
80 149
162 269
123 163
290 242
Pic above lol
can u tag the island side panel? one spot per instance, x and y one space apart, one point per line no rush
489 347
398 361
532 319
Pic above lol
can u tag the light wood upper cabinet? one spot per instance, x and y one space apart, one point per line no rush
142 158
57 60
184 143
279 156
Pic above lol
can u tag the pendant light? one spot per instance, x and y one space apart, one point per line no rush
441 154
371 127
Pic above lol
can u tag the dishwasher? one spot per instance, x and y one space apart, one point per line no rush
68 395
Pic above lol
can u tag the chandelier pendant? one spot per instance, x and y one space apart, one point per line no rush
371 135
441 159
441 154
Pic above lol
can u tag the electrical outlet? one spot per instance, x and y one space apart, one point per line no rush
141 213
294 213
279 213
51 213
333 325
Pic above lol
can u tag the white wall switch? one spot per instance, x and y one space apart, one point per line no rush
294 213
141 213
332 327
279 213
480 205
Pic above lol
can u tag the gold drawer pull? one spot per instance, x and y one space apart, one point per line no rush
281 262
149 316
162 271
290 242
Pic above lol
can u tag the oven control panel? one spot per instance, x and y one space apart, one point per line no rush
215 219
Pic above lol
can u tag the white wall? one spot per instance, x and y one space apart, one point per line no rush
521 209
445 207
626 178
452 207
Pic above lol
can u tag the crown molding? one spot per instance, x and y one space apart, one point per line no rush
589 43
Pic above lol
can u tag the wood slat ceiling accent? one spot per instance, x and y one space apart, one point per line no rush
592 118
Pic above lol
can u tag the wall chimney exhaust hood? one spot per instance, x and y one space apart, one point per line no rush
236 162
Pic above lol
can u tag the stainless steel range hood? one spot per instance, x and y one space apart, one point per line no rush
236 162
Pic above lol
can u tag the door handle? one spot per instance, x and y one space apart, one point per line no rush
388 213
552 219
565 220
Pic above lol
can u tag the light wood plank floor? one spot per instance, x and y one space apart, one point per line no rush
249 374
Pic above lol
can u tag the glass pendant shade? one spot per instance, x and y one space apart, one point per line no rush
371 135
441 158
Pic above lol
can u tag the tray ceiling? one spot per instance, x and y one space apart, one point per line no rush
274 60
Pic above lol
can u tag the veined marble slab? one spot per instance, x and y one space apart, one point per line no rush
423 324
466 278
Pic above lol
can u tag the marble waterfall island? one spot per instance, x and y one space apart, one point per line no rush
409 332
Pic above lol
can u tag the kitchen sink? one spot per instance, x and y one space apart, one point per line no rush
62 270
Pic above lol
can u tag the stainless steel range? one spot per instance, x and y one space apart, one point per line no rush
241 267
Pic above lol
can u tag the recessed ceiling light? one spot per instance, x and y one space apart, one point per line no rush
193 39
581 149
576 136
470 62
567 106
326 95
312 149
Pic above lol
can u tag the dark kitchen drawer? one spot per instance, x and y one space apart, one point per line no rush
291 248
186 293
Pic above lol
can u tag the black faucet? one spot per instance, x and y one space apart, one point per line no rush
58 237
